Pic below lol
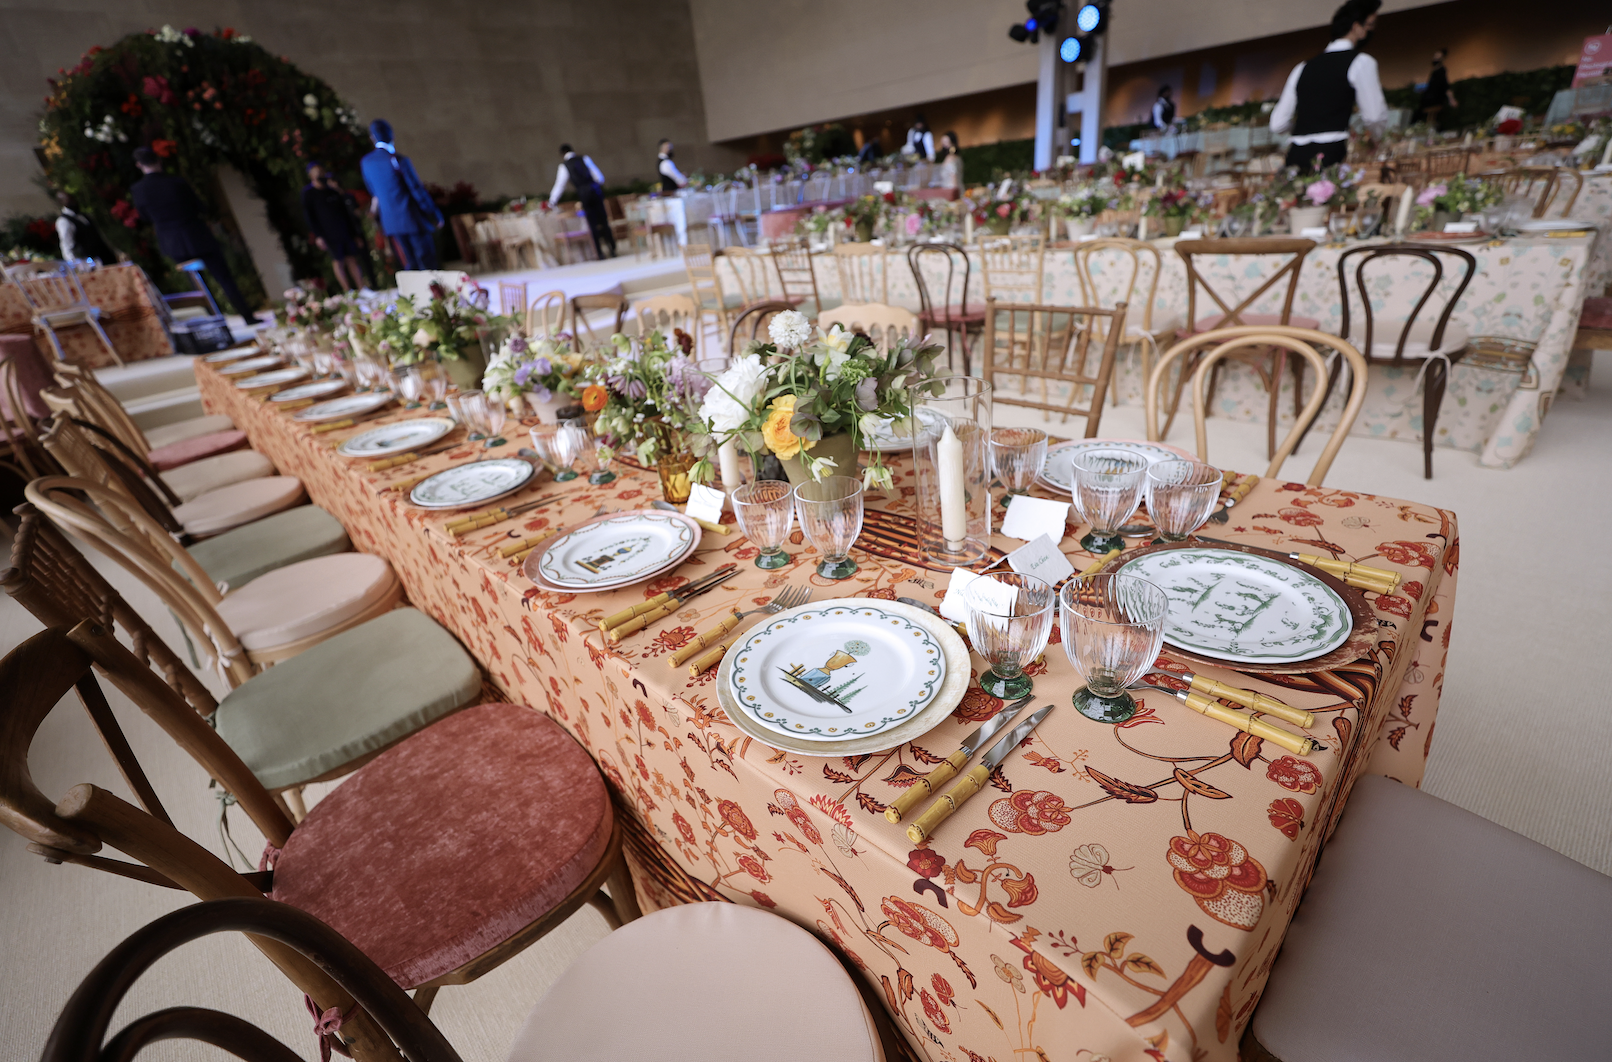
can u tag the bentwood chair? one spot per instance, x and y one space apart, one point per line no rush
864 273
55 300
25 454
1268 364
441 858
1055 346
937 308
668 315
797 275
1205 350
1012 267
885 325
1114 270
166 446
1481 892
772 982
751 325
583 305
545 317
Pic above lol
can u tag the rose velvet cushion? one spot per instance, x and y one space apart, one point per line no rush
1597 313
183 453
449 844
306 599
185 430
773 983
1510 943
347 698
198 477
237 504
238 556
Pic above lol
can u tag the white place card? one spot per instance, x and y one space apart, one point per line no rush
1460 226
952 605
1318 232
1043 559
705 503
1192 234
1030 518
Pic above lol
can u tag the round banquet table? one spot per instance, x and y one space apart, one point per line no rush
1116 891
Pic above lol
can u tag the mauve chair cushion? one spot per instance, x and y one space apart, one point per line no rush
1597 312
183 430
781 995
452 842
198 477
239 503
238 556
183 453
1430 934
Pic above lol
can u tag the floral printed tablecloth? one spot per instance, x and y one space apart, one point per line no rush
128 313
1116 892
1525 289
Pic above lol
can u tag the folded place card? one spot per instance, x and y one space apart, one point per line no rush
1318 232
952 605
1460 226
1030 518
1043 559
1192 234
705 503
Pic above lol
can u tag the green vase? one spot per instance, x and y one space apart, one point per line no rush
838 446
466 370
998 226
864 231
1172 225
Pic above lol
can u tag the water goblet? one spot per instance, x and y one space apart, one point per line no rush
434 383
570 440
1112 627
465 407
407 383
1108 487
1338 226
326 363
1009 621
1017 455
493 415
600 453
1367 220
1180 497
543 446
831 519
765 510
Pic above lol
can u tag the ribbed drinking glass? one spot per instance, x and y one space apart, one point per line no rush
831 519
1180 496
1009 622
1112 627
1108 487
765 509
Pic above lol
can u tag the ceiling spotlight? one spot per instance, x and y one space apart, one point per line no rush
1088 18
1069 50
1018 33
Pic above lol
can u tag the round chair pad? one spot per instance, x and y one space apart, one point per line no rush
180 431
183 453
452 841
301 600
1385 340
210 473
1209 324
237 504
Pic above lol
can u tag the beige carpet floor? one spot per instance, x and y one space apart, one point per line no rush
1524 737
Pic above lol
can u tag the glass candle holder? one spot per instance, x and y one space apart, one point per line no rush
951 430
831 519
1180 497
765 510
1112 626
1009 622
1017 455
1108 487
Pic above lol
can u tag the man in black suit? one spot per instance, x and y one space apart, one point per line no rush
175 212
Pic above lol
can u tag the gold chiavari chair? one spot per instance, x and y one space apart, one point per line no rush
1127 271
797 275
864 273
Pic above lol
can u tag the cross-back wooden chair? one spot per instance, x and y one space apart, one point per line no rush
1544 184
1053 345
936 307
669 314
797 276
25 455
55 300
885 325
545 317
410 862
582 305
1205 350
751 325
1127 271
1013 267
1269 364
85 395
864 272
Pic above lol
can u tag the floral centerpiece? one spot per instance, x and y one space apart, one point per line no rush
1310 197
1080 208
305 309
866 214
449 326
1175 207
1003 210
542 373
1449 200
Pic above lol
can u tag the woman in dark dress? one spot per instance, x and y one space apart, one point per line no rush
328 213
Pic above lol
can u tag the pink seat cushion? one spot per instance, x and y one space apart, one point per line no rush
452 841
306 599
183 453
1209 324
1597 313
956 314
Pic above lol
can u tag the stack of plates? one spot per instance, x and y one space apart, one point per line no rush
273 378
254 364
613 551
901 670
397 438
315 389
1058 473
472 483
337 408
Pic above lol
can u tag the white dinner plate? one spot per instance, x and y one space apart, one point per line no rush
246 365
232 354
893 437
349 406
958 673
471 484
396 438
616 550
273 378
1554 225
885 666
1058 471
1238 607
313 389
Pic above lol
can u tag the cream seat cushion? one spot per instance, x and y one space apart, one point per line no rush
179 431
301 600
197 478
767 989
1418 345
237 504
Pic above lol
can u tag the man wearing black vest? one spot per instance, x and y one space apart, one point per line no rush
579 172
1322 93
671 178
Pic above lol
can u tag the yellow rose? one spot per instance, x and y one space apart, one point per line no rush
780 440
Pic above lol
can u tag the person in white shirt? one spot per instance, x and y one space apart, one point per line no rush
579 172
1322 93
671 178
920 141
78 236
1163 110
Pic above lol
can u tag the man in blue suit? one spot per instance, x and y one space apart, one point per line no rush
407 213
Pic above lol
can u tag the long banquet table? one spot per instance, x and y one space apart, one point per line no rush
129 313
1118 891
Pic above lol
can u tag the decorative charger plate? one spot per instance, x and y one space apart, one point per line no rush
1058 472
617 550
313 389
1450 238
336 408
885 667
232 354
396 438
889 439
472 484
246 365
273 378
950 694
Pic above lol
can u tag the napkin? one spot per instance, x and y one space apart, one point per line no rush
1043 559
705 503
1030 518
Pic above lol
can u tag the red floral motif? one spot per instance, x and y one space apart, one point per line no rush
1415 554
1031 811
663 584
734 816
943 989
1143 714
1287 815
1221 876
763 899
977 706
683 827
673 638
804 825
645 715
643 769
926 862
754 868
1049 977
933 1012
1396 605
884 593
1300 517
1412 589
1301 776
920 923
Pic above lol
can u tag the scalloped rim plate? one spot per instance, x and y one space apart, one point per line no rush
647 542
272 378
495 477
246 365
395 438
1064 453
336 408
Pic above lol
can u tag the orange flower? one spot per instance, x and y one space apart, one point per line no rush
1287 815
594 398
1031 812
1300 776
734 816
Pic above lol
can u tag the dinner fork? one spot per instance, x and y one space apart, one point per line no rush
789 597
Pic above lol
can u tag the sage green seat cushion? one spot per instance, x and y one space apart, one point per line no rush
242 554
347 698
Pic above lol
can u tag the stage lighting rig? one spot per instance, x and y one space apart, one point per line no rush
1044 15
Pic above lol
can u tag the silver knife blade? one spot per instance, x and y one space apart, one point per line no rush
813 692
1000 750
991 728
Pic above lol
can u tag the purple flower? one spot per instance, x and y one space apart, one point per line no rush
544 366
635 389
518 345
542 394
1430 193
524 373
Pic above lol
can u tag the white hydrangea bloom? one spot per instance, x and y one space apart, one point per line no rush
790 329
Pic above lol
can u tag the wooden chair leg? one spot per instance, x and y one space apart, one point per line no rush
623 895
1432 398
293 800
423 997
1278 363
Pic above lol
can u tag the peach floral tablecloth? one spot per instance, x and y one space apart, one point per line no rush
129 314
1116 892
